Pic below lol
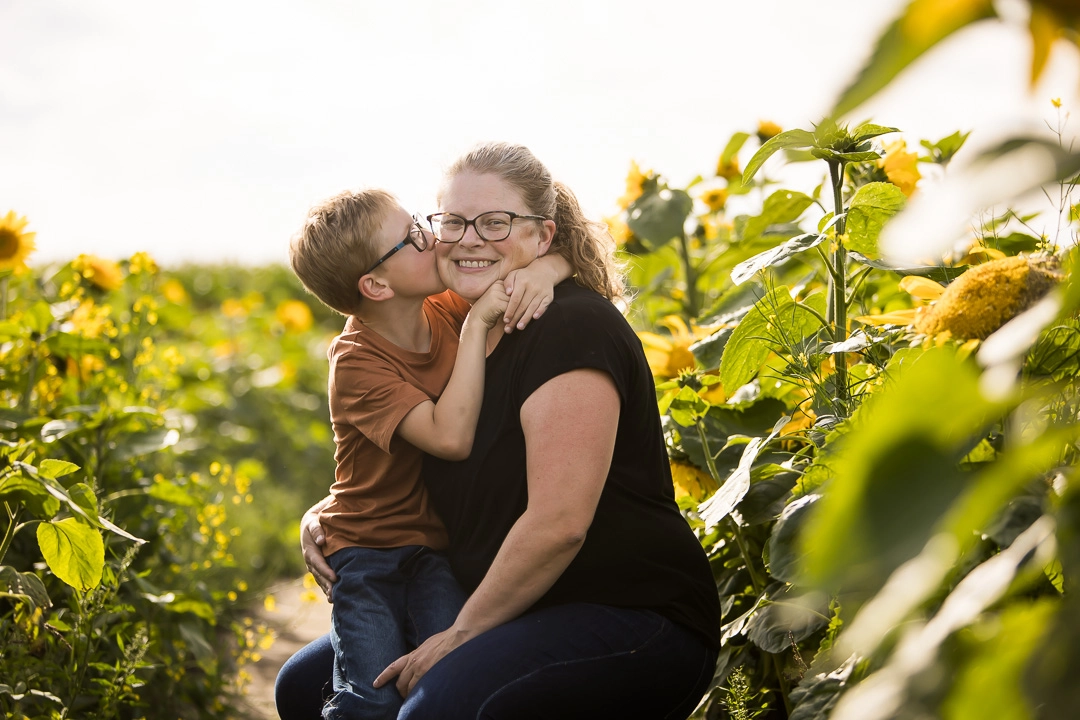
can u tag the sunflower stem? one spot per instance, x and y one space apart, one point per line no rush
838 282
3 297
690 304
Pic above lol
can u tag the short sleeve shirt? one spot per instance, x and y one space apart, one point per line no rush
378 500
639 550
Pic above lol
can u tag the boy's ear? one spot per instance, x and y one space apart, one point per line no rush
374 288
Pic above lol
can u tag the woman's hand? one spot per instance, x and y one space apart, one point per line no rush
408 669
312 539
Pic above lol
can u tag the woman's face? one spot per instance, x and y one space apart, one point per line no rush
471 265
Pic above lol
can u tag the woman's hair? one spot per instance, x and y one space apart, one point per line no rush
585 244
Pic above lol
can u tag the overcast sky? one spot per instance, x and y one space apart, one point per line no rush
203 130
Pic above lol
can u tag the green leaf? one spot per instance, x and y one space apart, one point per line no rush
144 443
196 607
84 497
943 150
788 618
39 317
53 469
658 217
999 648
847 157
1057 353
923 24
896 471
65 344
734 145
31 492
783 549
23 586
74 551
783 206
57 429
788 139
171 493
938 273
775 322
816 695
709 350
747 269
867 131
870 208
765 499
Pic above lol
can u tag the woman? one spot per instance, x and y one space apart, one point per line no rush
589 594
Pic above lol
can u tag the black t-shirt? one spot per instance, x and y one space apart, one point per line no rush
639 551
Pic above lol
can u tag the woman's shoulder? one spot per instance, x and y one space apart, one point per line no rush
569 296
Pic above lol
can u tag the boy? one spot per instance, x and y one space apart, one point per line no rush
364 256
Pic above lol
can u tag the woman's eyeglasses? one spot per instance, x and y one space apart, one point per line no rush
490 226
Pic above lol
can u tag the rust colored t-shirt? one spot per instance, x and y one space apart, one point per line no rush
378 499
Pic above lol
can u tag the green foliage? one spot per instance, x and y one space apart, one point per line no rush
886 502
143 417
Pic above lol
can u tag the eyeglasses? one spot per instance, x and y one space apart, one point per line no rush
417 238
490 226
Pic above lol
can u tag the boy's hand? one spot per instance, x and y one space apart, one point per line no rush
531 291
490 307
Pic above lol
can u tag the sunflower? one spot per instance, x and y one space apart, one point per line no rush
668 355
715 199
104 274
728 168
767 130
977 303
15 245
294 316
635 184
900 166
690 481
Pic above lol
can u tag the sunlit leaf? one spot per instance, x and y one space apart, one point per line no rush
734 145
24 586
788 139
747 269
896 471
73 550
136 444
870 208
53 469
783 206
923 24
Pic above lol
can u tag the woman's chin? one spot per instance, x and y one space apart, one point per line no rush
471 283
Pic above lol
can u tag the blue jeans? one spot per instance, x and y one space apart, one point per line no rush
564 662
386 602
567 662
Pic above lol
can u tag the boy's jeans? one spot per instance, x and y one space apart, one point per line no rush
386 602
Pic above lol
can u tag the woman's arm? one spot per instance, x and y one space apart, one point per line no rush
569 425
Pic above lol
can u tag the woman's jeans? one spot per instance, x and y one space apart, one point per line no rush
569 661
386 602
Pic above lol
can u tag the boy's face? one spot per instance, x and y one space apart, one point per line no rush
409 272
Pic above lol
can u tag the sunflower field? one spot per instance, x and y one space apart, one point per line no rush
160 429
869 393
869 390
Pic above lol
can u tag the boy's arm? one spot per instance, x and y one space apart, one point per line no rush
532 288
445 429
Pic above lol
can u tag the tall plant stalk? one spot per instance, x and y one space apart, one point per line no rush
837 311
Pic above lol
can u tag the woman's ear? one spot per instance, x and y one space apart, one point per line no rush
547 234
374 288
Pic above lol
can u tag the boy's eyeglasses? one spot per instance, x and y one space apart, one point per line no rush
416 238
491 226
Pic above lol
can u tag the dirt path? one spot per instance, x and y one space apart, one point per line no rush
297 622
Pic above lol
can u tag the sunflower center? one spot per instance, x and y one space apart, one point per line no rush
9 243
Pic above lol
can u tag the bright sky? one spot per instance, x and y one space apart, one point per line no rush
203 130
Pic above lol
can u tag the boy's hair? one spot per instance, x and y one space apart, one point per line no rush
336 245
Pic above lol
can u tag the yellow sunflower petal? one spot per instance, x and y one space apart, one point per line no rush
898 317
921 288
